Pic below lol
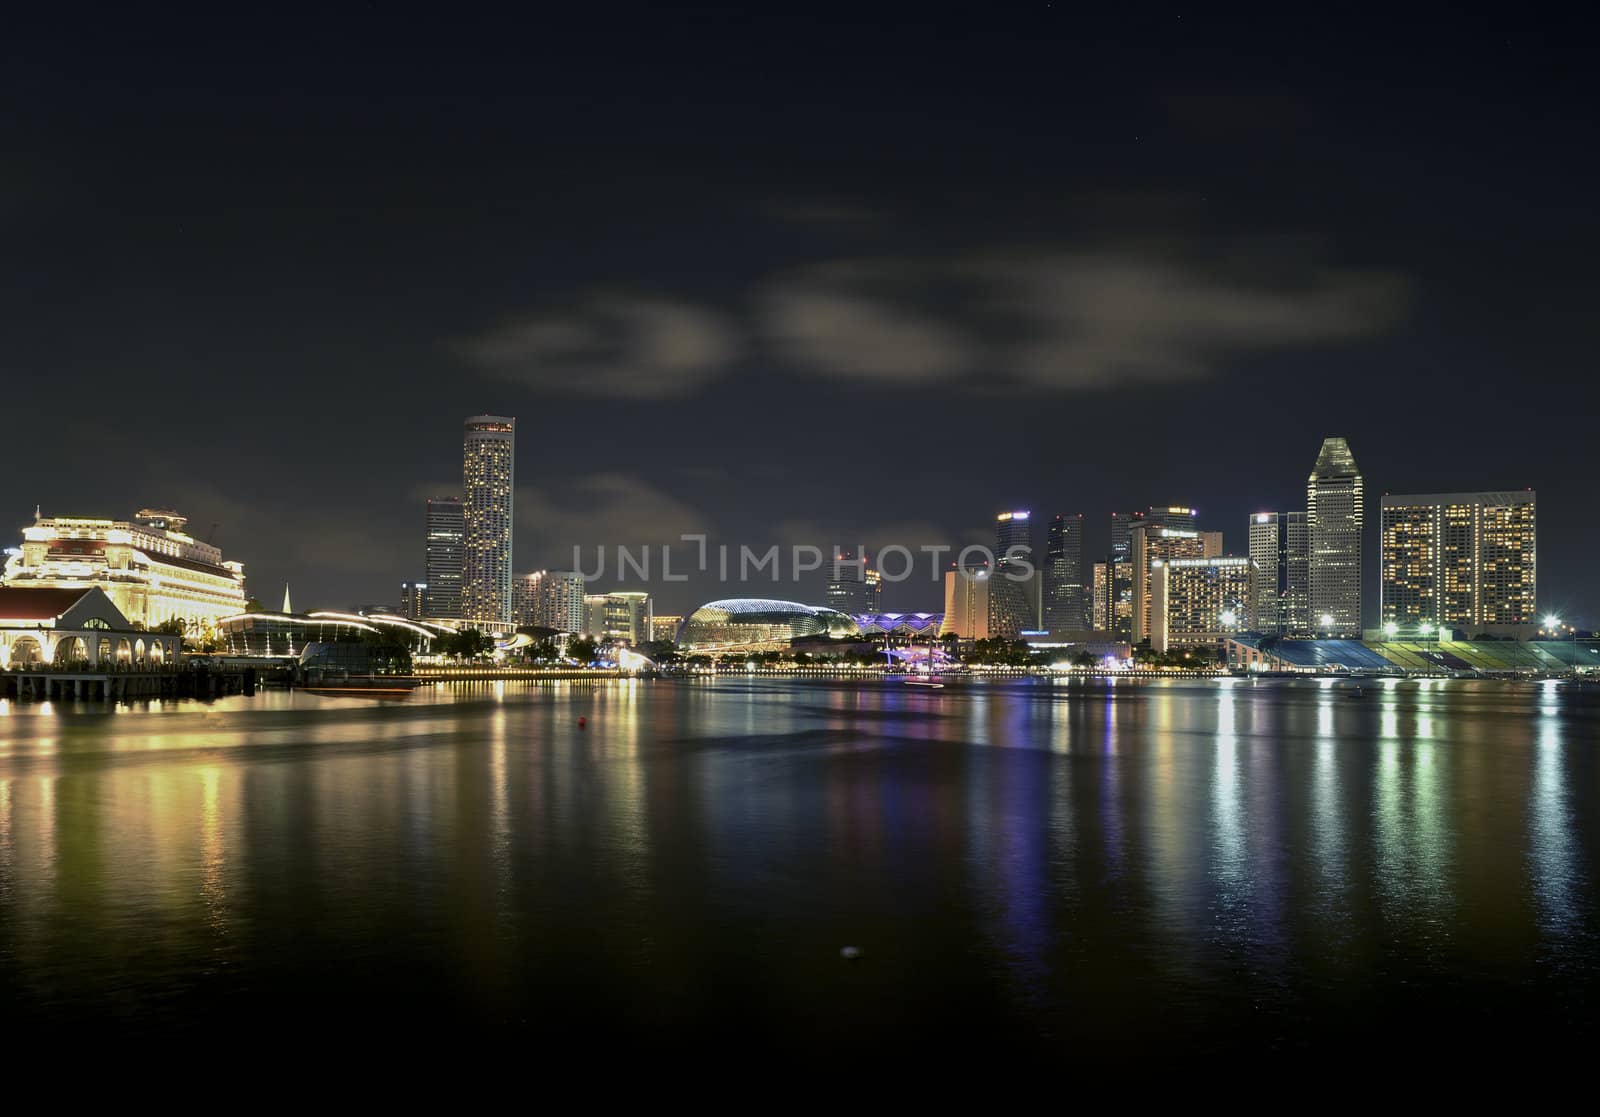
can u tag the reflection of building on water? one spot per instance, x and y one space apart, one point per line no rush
151 569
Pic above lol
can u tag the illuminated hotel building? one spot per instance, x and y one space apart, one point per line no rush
1335 514
664 626
1151 544
152 570
444 559
1198 601
1101 593
527 599
1064 598
1177 517
1459 559
550 599
487 478
1280 547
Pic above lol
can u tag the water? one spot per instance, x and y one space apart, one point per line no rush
1028 868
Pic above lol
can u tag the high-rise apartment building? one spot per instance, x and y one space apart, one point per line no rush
1100 594
1064 596
488 475
1150 544
1197 601
562 607
527 599
1459 559
1280 548
444 558
1335 514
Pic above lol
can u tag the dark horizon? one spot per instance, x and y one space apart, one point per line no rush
780 283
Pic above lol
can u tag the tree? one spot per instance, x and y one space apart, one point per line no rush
172 626
582 649
468 643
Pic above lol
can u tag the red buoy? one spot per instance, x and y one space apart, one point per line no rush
582 721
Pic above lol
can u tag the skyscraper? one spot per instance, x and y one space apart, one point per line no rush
562 607
527 599
1280 547
444 558
1122 532
854 586
1101 594
1458 559
1151 544
487 477
967 604
1064 595
1175 516
1010 611
1335 513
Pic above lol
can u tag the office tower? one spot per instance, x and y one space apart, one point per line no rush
1012 607
1063 573
1175 516
444 559
1150 544
967 604
1122 524
1458 559
854 587
1211 543
1101 595
487 476
1335 513
1196 601
1280 547
413 600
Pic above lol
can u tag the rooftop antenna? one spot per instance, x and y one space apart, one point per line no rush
287 608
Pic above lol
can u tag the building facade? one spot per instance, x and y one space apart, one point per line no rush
1280 548
664 626
413 600
1336 515
1152 544
1459 559
966 604
1100 594
617 617
488 479
152 570
1197 601
444 558
1064 595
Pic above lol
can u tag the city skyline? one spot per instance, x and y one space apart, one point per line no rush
1241 229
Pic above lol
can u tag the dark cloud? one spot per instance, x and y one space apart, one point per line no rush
608 344
1065 321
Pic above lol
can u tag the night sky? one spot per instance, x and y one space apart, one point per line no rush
780 276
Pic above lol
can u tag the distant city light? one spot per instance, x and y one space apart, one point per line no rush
1552 621
1391 630
1327 620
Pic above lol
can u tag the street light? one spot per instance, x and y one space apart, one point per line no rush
1391 630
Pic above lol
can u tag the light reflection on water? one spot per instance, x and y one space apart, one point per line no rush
1082 862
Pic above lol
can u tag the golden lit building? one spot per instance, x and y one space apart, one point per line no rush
1151 544
1196 601
151 569
1459 559
665 627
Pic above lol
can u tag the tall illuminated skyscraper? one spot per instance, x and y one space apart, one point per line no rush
487 479
1280 547
1151 544
1064 596
1013 608
444 558
1335 513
